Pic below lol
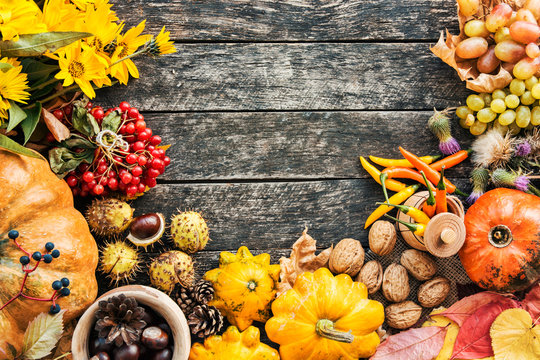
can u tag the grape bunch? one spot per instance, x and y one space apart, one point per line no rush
504 37
127 169
512 108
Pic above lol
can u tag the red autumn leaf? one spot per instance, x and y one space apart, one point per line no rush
531 303
55 126
473 340
465 307
419 344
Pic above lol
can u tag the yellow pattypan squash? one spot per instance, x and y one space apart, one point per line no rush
234 345
245 285
451 334
325 318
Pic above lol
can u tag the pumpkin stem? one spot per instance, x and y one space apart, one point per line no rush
251 285
500 236
325 328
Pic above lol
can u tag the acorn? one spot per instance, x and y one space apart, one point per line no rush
171 268
108 217
145 230
189 231
119 261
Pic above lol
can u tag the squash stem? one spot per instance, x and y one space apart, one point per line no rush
325 328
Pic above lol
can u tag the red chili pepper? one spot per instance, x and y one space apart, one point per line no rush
429 206
431 174
451 160
440 197
405 173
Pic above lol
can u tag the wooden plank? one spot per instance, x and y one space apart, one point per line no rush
290 145
327 76
292 20
272 215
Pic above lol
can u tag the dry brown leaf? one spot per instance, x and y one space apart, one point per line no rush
59 130
302 259
466 69
64 344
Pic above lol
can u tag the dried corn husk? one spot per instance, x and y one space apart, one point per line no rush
466 69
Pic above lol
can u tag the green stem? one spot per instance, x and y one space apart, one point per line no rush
136 53
325 329
534 190
383 178
60 93
410 226
431 198
42 85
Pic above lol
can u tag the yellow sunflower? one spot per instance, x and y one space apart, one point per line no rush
19 17
96 22
126 45
13 86
10 61
98 4
80 64
59 15
161 45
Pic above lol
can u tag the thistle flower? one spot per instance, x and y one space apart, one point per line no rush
439 124
492 150
523 149
502 177
479 179
533 138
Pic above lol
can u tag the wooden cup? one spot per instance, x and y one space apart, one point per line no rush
154 299
417 200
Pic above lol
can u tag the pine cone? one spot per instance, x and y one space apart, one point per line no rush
120 320
185 299
205 321
203 292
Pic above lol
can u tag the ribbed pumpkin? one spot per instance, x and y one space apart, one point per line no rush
502 248
39 206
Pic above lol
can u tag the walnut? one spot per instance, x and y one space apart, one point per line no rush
395 285
371 275
382 237
419 264
433 292
347 257
403 315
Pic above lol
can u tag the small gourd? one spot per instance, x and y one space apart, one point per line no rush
233 344
245 285
325 317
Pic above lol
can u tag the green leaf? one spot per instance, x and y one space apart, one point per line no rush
32 118
42 334
84 122
14 147
36 70
38 44
76 141
111 122
16 115
63 160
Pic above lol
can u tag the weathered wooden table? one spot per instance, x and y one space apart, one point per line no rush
268 104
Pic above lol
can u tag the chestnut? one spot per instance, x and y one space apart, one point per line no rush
165 354
165 327
146 229
102 355
155 338
127 352
99 345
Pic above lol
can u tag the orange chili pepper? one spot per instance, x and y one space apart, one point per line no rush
442 205
451 160
405 173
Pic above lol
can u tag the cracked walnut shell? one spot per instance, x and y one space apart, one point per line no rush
347 257
371 275
395 285
382 237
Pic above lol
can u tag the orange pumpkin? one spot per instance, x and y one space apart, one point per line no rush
39 206
502 247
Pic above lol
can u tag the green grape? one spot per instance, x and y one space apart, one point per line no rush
523 116
475 102
527 98
463 111
511 101
486 115
530 82
478 128
498 105
502 34
486 97
507 117
463 123
470 120
514 129
500 128
535 116
535 91
517 87
498 94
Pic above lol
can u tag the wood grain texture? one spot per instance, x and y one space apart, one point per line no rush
290 145
293 20
327 76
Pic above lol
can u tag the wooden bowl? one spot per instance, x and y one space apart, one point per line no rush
154 299
417 200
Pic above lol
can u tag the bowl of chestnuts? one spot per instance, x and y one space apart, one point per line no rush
132 323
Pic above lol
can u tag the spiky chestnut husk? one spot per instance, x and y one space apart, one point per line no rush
439 124
189 231
146 230
171 268
108 217
119 261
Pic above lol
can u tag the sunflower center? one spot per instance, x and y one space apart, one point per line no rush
76 69
124 51
97 43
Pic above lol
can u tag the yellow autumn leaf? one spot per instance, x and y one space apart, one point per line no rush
514 337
